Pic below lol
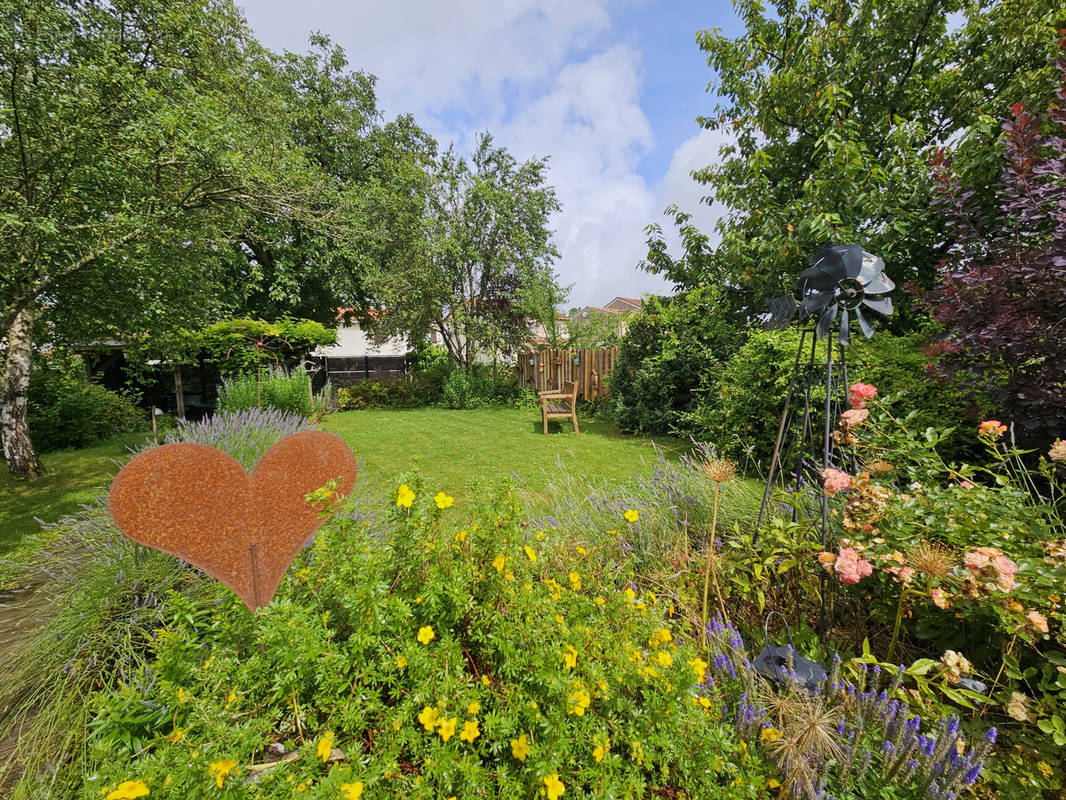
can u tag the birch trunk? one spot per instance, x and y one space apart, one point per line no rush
14 384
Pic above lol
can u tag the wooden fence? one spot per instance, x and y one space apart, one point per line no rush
550 369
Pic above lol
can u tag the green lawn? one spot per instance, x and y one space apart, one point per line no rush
452 448
71 477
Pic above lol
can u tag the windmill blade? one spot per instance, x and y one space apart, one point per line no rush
866 327
845 332
870 267
814 303
829 261
780 312
825 322
815 278
882 305
879 284
852 257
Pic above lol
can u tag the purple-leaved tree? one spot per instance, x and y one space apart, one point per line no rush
1001 291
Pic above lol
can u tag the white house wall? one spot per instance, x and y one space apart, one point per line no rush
353 342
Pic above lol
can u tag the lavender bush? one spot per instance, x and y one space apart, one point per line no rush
843 735
245 435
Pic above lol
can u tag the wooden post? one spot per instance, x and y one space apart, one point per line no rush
178 392
155 425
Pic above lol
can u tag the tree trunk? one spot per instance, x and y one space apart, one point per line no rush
14 385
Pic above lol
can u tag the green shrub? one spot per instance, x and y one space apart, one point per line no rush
670 356
432 659
741 413
276 388
66 410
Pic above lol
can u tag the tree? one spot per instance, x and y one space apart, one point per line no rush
135 138
480 270
1001 290
374 179
594 329
831 108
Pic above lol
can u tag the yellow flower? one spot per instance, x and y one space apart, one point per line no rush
600 601
426 634
485 680
705 702
530 554
443 501
325 747
632 515
429 717
699 666
401 662
773 784
575 581
473 708
664 659
470 731
554 786
579 701
461 536
230 698
770 735
352 791
498 563
447 728
176 735
404 497
601 749
661 636
220 769
581 551
129 790
520 748
569 656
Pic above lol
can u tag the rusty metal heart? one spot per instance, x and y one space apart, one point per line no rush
199 504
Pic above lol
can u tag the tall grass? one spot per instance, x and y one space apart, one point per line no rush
274 387
675 506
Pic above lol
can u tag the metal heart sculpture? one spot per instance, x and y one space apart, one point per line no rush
199 504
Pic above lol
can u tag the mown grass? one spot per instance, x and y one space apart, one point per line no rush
455 448
452 449
71 478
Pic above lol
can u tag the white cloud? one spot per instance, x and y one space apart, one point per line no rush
547 78
678 188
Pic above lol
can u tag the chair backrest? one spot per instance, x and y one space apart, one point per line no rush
570 388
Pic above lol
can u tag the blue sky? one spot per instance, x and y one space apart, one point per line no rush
608 89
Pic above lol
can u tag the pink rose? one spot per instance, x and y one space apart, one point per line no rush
901 574
1058 450
850 568
941 599
854 416
835 481
859 393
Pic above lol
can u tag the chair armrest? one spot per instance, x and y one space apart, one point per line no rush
552 395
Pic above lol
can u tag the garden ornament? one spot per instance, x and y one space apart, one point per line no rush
841 280
782 664
199 504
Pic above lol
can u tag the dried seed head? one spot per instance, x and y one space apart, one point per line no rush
880 467
719 470
933 559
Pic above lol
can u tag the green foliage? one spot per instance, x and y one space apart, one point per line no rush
830 109
240 345
274 388
741 414
992 593
480 269
593 329
673 351
66 410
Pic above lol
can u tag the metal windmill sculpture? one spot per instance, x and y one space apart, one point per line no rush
843 282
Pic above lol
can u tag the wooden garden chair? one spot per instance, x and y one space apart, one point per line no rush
559 405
